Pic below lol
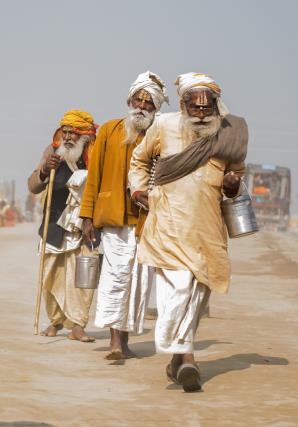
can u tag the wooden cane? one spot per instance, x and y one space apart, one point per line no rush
43 250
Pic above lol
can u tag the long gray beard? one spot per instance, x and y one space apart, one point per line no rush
192 129
137 121
71 155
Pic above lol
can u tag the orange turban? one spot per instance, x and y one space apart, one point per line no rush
82 123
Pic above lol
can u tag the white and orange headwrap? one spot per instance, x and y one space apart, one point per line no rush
82 123
193 81
153 84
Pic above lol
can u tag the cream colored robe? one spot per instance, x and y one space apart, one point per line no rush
64 303
184 229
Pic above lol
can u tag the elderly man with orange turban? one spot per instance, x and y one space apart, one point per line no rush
68 154
202 150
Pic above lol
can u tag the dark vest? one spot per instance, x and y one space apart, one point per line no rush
59 197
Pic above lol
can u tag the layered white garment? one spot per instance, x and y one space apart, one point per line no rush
124 285
181 301
70 219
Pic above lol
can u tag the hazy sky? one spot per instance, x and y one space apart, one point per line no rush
62 54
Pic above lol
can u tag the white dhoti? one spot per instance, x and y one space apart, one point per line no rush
180 303
124 285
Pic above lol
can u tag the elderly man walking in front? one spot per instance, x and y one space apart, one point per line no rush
68 154
106 205
202 150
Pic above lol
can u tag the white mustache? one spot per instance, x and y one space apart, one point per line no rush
139 112
197 121
68 142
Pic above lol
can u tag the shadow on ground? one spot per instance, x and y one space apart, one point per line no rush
147 348
212 368
237 362
24 424
104 335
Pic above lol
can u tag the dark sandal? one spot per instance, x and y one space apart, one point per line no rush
170 375
172 368
189 376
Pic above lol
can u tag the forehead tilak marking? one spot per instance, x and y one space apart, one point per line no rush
144 95
203 99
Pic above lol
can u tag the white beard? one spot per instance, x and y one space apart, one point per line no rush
137 121
193 129
72 154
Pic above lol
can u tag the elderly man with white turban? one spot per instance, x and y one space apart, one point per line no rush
202 150
106 205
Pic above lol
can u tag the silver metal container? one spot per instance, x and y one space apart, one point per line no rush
239 216
87 271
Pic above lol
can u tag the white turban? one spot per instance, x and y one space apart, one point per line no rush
153 84
193 81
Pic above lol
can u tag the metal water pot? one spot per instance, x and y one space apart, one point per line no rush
88 271
239 216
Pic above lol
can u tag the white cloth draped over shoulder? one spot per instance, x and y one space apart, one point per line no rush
69 219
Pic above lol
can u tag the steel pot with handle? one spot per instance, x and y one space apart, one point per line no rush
87 271
239 216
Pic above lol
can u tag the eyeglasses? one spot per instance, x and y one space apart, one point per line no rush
205 109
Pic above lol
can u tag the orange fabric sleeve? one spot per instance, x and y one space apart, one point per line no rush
94 176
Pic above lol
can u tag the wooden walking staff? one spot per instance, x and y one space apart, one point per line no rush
43 250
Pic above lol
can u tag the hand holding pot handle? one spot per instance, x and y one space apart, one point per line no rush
88 230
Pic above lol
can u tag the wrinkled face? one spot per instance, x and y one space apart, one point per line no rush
143 100
69 137
200 117
200 104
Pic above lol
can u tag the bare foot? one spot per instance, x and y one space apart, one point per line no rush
51 331
78 333
126 351
115 345
115 354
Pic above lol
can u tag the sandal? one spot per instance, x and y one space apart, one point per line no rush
189 376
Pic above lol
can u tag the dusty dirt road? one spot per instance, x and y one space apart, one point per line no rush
247 351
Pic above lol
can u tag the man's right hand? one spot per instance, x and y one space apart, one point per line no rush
88 230
141 197
52 162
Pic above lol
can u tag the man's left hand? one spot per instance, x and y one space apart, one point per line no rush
231 183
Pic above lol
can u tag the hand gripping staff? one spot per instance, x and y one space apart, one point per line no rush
43 250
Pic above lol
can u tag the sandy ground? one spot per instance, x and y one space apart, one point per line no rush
247 351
